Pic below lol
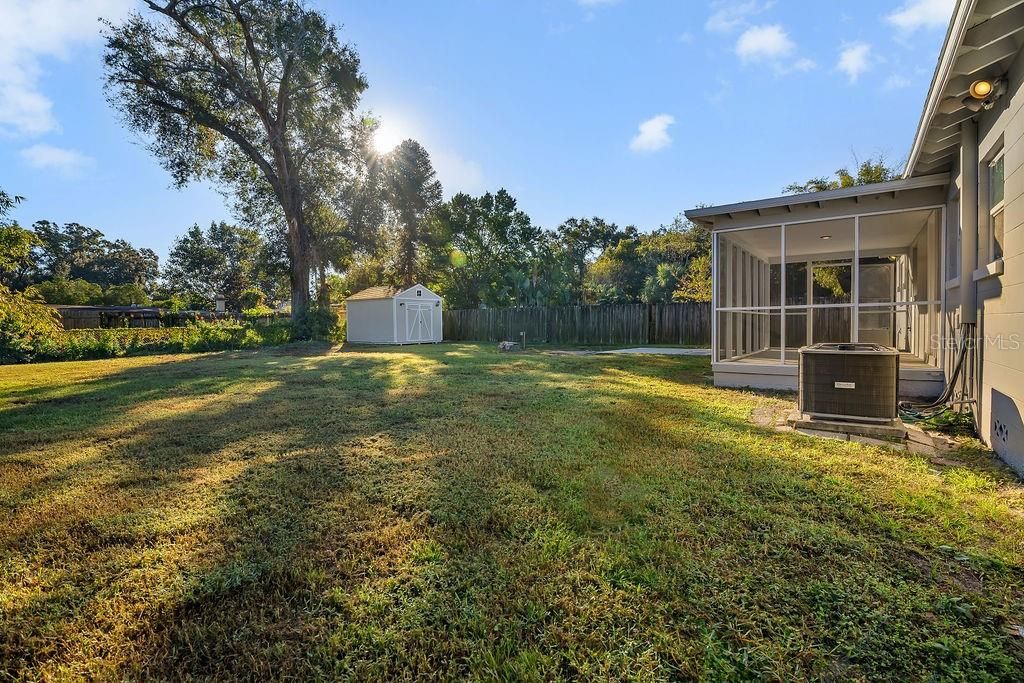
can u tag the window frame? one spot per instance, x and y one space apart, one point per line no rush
996 209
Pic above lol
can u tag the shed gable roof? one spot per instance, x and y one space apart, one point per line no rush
382 292
387 292
417 288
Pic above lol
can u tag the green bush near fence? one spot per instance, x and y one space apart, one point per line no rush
25 325
29 332
113 343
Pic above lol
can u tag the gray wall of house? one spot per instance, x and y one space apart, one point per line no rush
1001 296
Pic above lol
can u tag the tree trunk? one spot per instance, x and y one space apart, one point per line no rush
300 287
299 257
323 294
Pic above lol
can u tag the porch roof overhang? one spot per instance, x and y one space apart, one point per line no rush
792 202
983 39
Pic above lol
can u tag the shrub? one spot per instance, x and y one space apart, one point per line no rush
251 298
174 303
260 311
275 333
26 326
321 324
179 318
201 336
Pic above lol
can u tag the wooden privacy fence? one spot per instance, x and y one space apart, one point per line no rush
688 324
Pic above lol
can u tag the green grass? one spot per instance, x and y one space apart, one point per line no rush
449 512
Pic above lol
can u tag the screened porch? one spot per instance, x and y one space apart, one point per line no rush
872 277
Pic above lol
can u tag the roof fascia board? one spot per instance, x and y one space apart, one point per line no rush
787 201
943 70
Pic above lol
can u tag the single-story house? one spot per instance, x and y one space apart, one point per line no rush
392 315
921 263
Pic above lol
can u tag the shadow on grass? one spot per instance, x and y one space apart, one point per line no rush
449 512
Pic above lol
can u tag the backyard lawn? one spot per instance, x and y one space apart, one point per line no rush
448 512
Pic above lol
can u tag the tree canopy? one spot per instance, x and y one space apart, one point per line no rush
223 260
76 251
671 263
258 95
870 170
412 192
486 251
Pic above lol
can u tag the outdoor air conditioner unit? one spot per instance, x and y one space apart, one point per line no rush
849 381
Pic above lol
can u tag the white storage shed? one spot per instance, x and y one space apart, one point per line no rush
389 315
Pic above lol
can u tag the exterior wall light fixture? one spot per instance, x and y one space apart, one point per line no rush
983 93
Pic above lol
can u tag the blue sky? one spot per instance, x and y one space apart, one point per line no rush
632 110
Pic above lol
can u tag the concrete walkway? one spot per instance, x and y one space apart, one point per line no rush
663 351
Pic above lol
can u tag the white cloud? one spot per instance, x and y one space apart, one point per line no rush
67 162
34 30
652 134
730 15
895 82
722 92
456 173
854 59
917 14
804 64
685 38
764 43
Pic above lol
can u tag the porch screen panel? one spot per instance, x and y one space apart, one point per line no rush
872 278
900 280
762 325
747 291
819 283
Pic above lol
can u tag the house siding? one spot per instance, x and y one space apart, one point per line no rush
1001 298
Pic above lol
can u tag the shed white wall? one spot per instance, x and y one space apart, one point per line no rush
428 298
371 321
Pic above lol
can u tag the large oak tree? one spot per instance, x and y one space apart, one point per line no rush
259 95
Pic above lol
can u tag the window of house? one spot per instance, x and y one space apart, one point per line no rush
995 207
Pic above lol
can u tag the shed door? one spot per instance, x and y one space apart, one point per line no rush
418 322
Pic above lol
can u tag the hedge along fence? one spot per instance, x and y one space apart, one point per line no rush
685 324
111 343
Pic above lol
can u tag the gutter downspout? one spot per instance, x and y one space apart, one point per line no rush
969 207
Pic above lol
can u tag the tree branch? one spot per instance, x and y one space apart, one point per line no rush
238 85
283 88
210 121
250 46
